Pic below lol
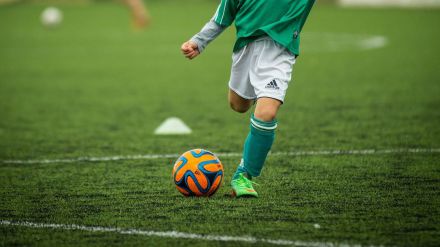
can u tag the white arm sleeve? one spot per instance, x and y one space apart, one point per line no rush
208 33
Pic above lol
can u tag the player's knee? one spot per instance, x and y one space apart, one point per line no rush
239 107
266 114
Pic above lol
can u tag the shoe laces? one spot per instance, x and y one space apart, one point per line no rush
245 182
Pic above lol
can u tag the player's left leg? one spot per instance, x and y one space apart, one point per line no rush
269 74
267 109
260 138
257 145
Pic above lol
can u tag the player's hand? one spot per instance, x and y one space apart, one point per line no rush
190 49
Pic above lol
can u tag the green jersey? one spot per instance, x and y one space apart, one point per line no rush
282 20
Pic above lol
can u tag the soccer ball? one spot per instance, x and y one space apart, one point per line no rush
51 17
198 173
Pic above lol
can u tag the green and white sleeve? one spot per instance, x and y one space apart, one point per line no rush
224 17
208 33
226 12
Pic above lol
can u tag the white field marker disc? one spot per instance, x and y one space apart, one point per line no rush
173 126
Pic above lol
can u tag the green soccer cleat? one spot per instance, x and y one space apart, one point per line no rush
242 187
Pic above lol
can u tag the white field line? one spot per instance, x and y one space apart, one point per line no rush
173 156
171 234
337 42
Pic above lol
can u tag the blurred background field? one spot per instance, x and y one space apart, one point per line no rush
367 78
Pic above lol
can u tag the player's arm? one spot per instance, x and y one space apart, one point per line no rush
223 18
198 42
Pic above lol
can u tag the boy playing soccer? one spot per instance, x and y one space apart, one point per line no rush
268 33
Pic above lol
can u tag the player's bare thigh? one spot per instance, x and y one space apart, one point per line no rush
238 103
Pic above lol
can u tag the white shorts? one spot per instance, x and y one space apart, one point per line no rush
261 69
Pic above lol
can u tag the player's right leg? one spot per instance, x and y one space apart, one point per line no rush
241 93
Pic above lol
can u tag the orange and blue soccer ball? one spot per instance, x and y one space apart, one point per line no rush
198 173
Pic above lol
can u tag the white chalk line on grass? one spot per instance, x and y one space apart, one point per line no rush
232 154
338 42
171 234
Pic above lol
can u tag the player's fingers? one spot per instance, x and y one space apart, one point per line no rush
185 53
188 50
189 55
185 47
195 54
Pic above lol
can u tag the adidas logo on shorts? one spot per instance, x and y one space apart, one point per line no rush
273 84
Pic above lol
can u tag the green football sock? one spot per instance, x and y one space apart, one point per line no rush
256 147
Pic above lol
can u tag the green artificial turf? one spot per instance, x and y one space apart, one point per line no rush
94 87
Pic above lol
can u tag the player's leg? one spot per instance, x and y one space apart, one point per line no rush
241 93
270 75
260 138
257 145
139 12
238 103
267 109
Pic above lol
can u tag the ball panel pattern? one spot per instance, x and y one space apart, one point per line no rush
198 173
